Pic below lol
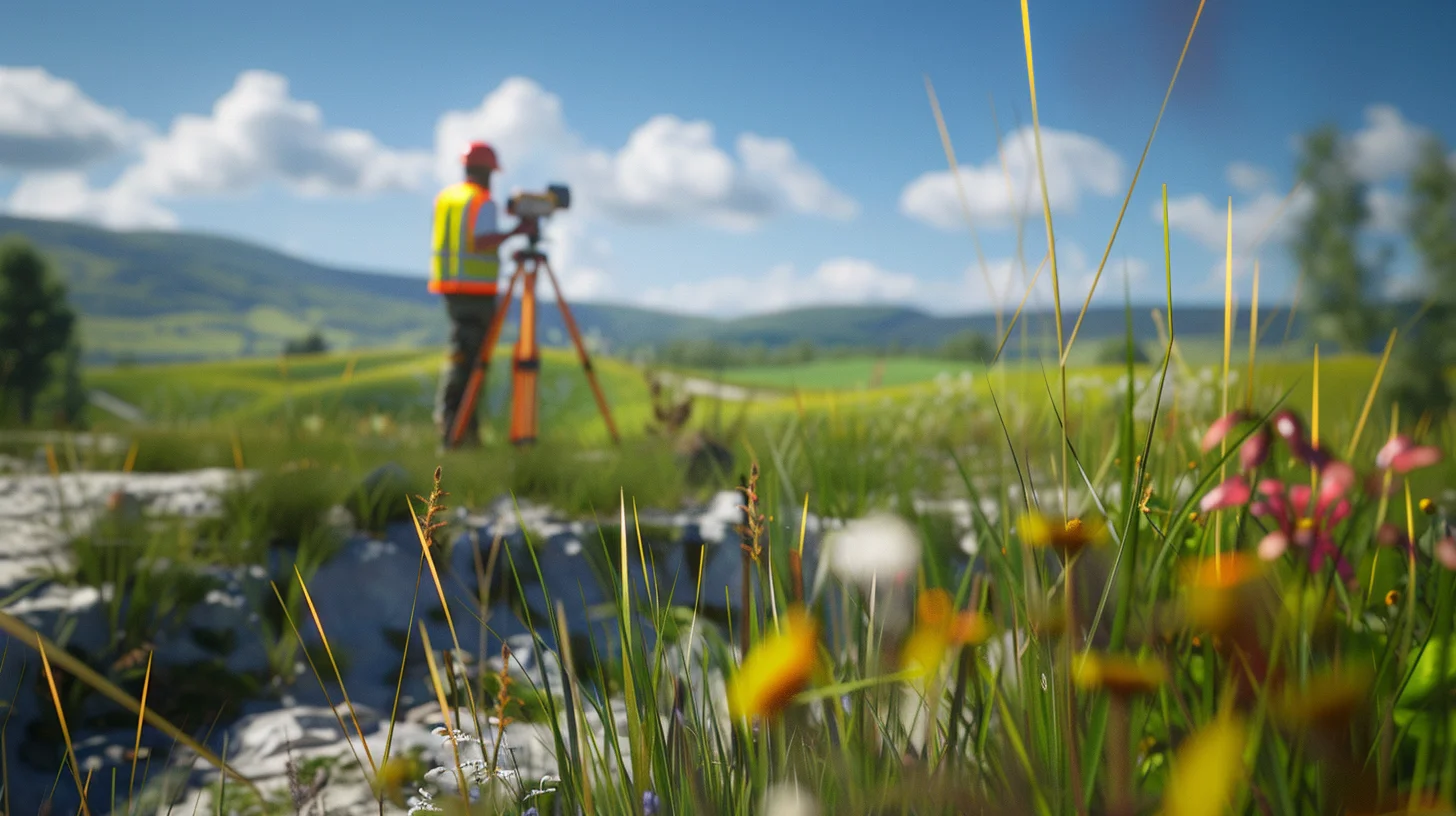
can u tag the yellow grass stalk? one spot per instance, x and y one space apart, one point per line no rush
445 713
51 462
803 524
65 729
1370 397
21 631
1017 316
329 650
1046 209
1128 199
574 688
1228 339
640 767
1253 338
955 174
237 451
349 368
444 603
1076 775
141 718
1314 417
131 456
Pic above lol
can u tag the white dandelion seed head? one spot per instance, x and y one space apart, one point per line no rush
878 549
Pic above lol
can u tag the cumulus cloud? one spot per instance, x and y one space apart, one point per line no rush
1388 210
1076 165
774 164
579 258
1009 282
257 132
520 119
47 123
668 170
1387 147
1262 216
672 169
69 196
1247 177
856 281
842 281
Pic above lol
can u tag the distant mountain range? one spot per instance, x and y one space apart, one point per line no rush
155 296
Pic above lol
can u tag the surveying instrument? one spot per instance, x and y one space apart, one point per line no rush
526 361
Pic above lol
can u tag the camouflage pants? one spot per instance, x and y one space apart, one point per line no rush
470 317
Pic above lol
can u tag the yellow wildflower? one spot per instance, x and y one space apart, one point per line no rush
1327 702
1217 589
1066 537
1209 769
1119 674
776 669
938 630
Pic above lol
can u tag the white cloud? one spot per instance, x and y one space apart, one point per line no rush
1076 165
1387 147
671 169
773 163
258 133
519 119
1388 210
1247 177
855 281
47 123
836 281
579 259
67 195
1009 283
1261 217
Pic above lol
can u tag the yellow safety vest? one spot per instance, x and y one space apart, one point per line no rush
456 268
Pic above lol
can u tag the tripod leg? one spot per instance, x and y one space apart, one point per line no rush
526 365
481 369
581 352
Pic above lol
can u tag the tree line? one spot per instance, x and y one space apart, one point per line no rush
39 342
1343 282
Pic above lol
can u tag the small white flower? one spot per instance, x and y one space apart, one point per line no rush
878 549
789 799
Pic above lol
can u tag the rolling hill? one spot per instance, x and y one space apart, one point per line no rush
158 296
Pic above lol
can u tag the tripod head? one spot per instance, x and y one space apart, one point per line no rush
530 208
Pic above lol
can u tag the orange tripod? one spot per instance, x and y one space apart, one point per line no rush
526 365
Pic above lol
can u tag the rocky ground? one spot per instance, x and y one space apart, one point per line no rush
363 596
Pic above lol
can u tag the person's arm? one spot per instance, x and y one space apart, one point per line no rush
487 238
491 241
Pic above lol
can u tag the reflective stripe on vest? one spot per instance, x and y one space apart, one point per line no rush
455 266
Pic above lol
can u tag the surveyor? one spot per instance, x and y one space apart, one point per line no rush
464 270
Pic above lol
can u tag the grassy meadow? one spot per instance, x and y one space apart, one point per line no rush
1216 582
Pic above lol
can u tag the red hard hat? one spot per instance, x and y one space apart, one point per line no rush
480 154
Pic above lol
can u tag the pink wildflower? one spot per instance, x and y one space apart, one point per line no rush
1231 493
1403 455
1306 519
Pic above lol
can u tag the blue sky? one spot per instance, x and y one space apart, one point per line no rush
725 158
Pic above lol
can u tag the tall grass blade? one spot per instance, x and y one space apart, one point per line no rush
1370 396
65 729
329 650
1167 95
50 651
141 718
955 174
